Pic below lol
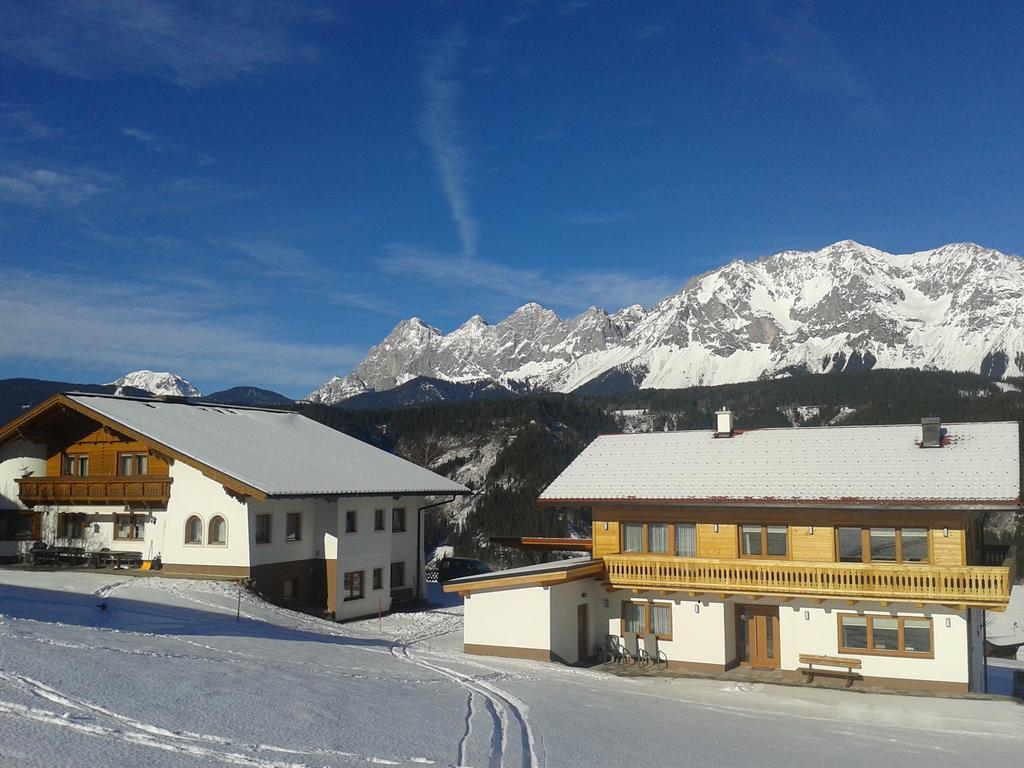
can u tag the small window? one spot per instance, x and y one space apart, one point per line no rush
764 541
883 544
648 618
133 464
632 537
132 527
77 465
71 526
397 575
293 527
194 530
686 540
218 531
657 538
350 521
914 545
290 589
378 577
885 633
397 519
353 585
262 533
854 632
851 549
633 617
378 519
661 620
750 536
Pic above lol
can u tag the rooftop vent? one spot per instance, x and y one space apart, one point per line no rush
173 399
931 432
725 423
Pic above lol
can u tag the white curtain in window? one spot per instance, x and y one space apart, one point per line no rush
686 540
657 534
661 619
631 537
633 618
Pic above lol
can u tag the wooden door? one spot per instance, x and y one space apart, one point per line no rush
582 634
757 636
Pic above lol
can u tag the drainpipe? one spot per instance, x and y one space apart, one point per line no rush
419 536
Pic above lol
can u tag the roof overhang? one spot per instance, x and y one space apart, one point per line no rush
559 574
809 505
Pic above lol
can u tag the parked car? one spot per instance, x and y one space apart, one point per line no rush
455 567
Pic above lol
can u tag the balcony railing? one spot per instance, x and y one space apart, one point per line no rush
137 489
983 586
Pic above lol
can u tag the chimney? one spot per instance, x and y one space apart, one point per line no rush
725 423
931 432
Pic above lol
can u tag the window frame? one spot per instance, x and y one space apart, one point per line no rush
295 583
76 460
209 531
135 463
378 519
198 542
256 528
646 619
348 586
865 544
764 541
132 526
869 637
79 518
645 538
378 579
289 539
398 515
351 521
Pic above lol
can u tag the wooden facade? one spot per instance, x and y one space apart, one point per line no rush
951 572
138 490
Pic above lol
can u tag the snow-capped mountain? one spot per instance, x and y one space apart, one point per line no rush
157 383
842 308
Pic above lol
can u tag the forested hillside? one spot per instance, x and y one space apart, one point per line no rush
509 450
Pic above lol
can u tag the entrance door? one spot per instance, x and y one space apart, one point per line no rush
582 634
757 635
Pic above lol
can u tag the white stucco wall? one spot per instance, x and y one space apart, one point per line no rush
699 628
565 600
317 529
366 549
192 493
519 617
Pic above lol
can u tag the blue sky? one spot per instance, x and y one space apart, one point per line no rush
256 194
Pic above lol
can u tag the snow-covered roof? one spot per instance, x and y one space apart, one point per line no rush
279 453
978 465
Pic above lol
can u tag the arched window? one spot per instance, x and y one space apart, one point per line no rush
194 530
218 531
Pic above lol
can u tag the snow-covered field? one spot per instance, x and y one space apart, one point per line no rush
165 676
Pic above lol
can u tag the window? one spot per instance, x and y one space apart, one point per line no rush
293 527
882 545
686 540
71 526
647 619
290 589
632 537
378 577
20 526
132 527
378 519
350 521
397 519
353 585
262 529
77 465
657 538
132 464
764 540
397 575
885 635
218 531
194 530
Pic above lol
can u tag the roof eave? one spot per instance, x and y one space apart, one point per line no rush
928 505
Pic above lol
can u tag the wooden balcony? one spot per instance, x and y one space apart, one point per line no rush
976 586
152 490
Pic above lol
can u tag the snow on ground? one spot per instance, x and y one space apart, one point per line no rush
106 669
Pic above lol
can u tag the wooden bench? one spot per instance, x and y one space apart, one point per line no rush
830 661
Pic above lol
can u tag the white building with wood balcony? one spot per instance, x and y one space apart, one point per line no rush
853 550
312 517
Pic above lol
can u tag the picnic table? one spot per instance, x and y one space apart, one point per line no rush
115 559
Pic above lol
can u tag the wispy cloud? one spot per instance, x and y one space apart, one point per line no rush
573 290
191 44
23 122
158 144
44 186
171 326
441 132
601 218
806 56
